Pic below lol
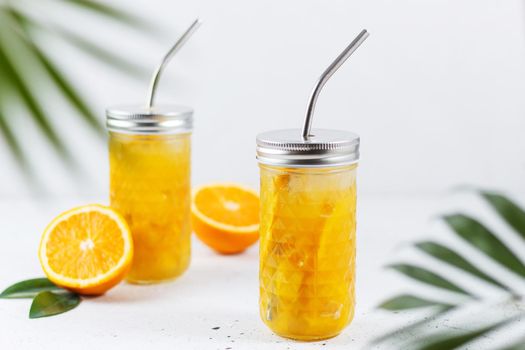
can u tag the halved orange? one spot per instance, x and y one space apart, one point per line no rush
88 249
226 216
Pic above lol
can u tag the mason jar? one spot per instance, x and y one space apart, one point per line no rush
307 232
149 156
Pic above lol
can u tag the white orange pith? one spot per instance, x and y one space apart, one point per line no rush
88 249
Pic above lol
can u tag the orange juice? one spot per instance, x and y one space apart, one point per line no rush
307 232
307 253
150 187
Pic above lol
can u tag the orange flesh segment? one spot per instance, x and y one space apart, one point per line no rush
228 205
85 245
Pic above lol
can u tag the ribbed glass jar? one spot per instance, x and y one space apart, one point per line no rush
307 232
150 166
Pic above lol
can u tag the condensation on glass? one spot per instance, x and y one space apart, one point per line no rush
150 164
308 232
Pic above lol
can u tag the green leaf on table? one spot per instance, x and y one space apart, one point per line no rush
50 303
453 341
426 276
513 214
481 238
407 301
29 288
450 257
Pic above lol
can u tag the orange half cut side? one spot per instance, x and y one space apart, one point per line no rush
88 249
226 216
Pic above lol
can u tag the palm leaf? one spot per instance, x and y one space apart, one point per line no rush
116 14
481 238
15 24
60 81
101 53
10 74
12 143
448 341
413 326
509 211
450 257
84 44
520 345
407 301
426 276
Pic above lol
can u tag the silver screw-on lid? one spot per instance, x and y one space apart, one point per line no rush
159 119
324 148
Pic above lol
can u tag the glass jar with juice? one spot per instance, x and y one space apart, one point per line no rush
149 155
307 224
308 232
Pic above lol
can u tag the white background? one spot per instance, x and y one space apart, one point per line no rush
436 92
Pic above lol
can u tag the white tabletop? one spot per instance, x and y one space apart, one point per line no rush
216 291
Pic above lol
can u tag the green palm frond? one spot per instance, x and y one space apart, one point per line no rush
520 345
492 247
22 54
57 77
414 326
481 238
100 53
10 139
449 256
407 301
80 42
112 13
18 86
453 341
431 278
509 211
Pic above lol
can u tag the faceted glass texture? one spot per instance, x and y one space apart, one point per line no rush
307 250
150 187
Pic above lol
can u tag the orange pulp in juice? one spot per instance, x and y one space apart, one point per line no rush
307 250
150 187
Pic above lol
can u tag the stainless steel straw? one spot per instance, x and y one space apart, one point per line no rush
175 48
332 68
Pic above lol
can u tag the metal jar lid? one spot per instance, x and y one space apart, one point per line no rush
159 119
324 148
